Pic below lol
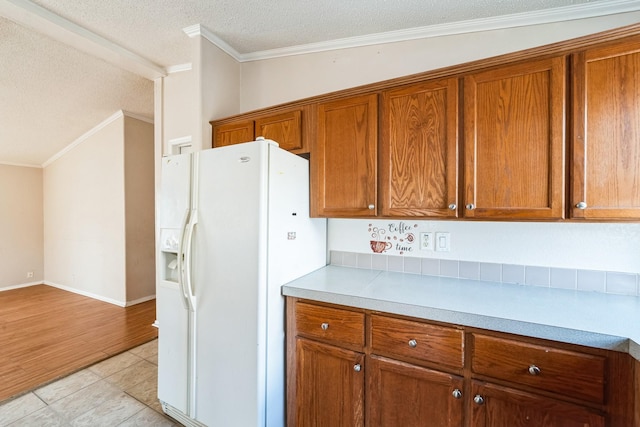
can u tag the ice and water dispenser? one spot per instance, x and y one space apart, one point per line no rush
170 240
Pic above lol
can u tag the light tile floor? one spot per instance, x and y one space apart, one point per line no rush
120 391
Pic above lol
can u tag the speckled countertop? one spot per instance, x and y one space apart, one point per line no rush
587 318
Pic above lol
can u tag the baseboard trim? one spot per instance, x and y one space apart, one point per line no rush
140 300
81 292
86 294
22 285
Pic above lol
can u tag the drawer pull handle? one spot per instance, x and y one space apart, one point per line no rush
357 367
457 394
413 343
479 400
324 326
534 370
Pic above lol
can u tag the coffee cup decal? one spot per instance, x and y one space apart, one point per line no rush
378 246
397 237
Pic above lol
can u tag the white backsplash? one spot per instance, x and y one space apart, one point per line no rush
591 257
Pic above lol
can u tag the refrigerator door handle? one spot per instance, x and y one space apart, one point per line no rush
181 260
193 220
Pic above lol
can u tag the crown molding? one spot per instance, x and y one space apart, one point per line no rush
138 117
547 16
58 28
199 30
84 137
117 115
179 68
21 165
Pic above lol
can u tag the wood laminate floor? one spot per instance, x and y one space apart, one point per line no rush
47 333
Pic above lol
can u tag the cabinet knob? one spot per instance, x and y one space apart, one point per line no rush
479 400
534 370
324 326
372 207
581 205
471 206
457 394
357 367
453 206
413 343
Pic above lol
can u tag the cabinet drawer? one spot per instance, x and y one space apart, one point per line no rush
340 327
419 341
570 373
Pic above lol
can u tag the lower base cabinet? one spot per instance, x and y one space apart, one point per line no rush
402 394
329 386
355 367
496 406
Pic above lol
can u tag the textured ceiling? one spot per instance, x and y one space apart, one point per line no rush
51 93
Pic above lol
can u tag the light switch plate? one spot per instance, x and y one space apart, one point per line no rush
443 242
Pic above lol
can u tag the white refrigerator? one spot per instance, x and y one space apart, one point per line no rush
233 226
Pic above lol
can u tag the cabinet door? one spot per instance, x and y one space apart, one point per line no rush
406 395
606 144
495 406
514 141
233 133
419 150
285 129
329 386
344 159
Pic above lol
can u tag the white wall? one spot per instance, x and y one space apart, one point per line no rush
179 107
98 214
219 85
280 80
84 240
21 226
607 247
139 209
614 247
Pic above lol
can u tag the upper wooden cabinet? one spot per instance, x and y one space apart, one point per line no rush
483 140
233 133
344 158
419 150
605 178
284 128
514 141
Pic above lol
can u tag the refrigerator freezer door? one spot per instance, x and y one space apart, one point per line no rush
173 319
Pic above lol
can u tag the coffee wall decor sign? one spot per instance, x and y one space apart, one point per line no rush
395 237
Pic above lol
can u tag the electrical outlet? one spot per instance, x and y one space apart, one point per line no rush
426 241
29 274
443 242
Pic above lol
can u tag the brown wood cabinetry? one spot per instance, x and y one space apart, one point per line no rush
330 385
606 139
497 406
403 394
419 150
233 133
284 128
344 160
417 341
408 372
484 140
546 368
326 377
514 141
